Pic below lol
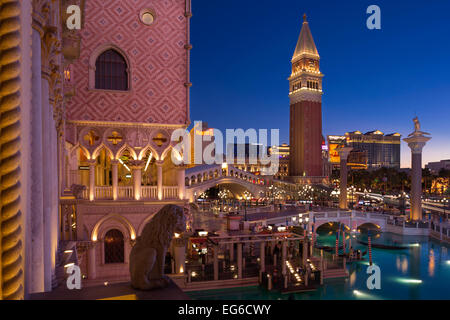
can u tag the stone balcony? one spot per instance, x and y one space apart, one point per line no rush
150 193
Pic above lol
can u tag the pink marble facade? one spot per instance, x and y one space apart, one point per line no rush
157 58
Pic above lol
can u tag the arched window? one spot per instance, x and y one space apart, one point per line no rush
111 71
114 247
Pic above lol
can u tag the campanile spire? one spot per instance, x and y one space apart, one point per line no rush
305 93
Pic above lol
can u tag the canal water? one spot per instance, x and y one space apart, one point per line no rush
421 271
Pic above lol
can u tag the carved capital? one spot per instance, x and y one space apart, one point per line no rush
41 15
416 143
344 152
52 71
51 48
136 164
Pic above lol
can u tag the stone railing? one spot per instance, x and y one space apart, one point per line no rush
85 193
149 192
170 192
125 192
103 193
331 214
344 214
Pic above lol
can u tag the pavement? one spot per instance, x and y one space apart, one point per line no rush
118 291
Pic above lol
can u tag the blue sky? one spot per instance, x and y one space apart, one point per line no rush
374 79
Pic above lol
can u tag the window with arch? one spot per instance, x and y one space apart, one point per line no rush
111 71
114 247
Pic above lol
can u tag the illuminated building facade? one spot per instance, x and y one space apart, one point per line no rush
130 91
247 157
437 166
305 93
198 133
283 152
382 150
357 159
283 157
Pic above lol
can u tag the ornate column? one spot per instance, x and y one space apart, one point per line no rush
304 251
262 256
115 178
239 260
283 257
92 163
136 169
51 118
416 141
343 154
231 252
181 181
159 172
37 214
179 254
92 268
216 263
11 221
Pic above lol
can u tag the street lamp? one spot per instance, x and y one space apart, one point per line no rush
203 196
445 202
271 188
352 189
247 196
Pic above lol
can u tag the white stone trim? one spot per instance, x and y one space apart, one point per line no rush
305 95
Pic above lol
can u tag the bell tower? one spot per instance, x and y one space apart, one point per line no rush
305 94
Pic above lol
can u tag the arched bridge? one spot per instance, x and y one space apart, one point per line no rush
352 219
200 178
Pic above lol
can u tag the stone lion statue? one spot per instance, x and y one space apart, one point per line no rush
147 256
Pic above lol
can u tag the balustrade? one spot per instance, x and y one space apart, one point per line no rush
170 192
103 192
149 192
125 192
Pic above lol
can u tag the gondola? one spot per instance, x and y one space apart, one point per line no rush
383 246
327 248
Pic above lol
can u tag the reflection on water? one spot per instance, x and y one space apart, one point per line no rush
414 271
401 262
431 263
352 279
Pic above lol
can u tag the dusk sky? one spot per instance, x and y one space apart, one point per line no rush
374 79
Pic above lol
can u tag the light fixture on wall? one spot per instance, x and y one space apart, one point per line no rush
147 16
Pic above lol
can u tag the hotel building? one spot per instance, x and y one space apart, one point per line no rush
382 150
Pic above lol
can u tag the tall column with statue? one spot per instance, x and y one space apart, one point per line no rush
416 141
343 154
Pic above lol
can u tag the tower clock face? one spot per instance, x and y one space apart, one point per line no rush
312 65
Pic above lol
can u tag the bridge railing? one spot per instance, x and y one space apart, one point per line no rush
344 214
360 214
331 214
377 215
